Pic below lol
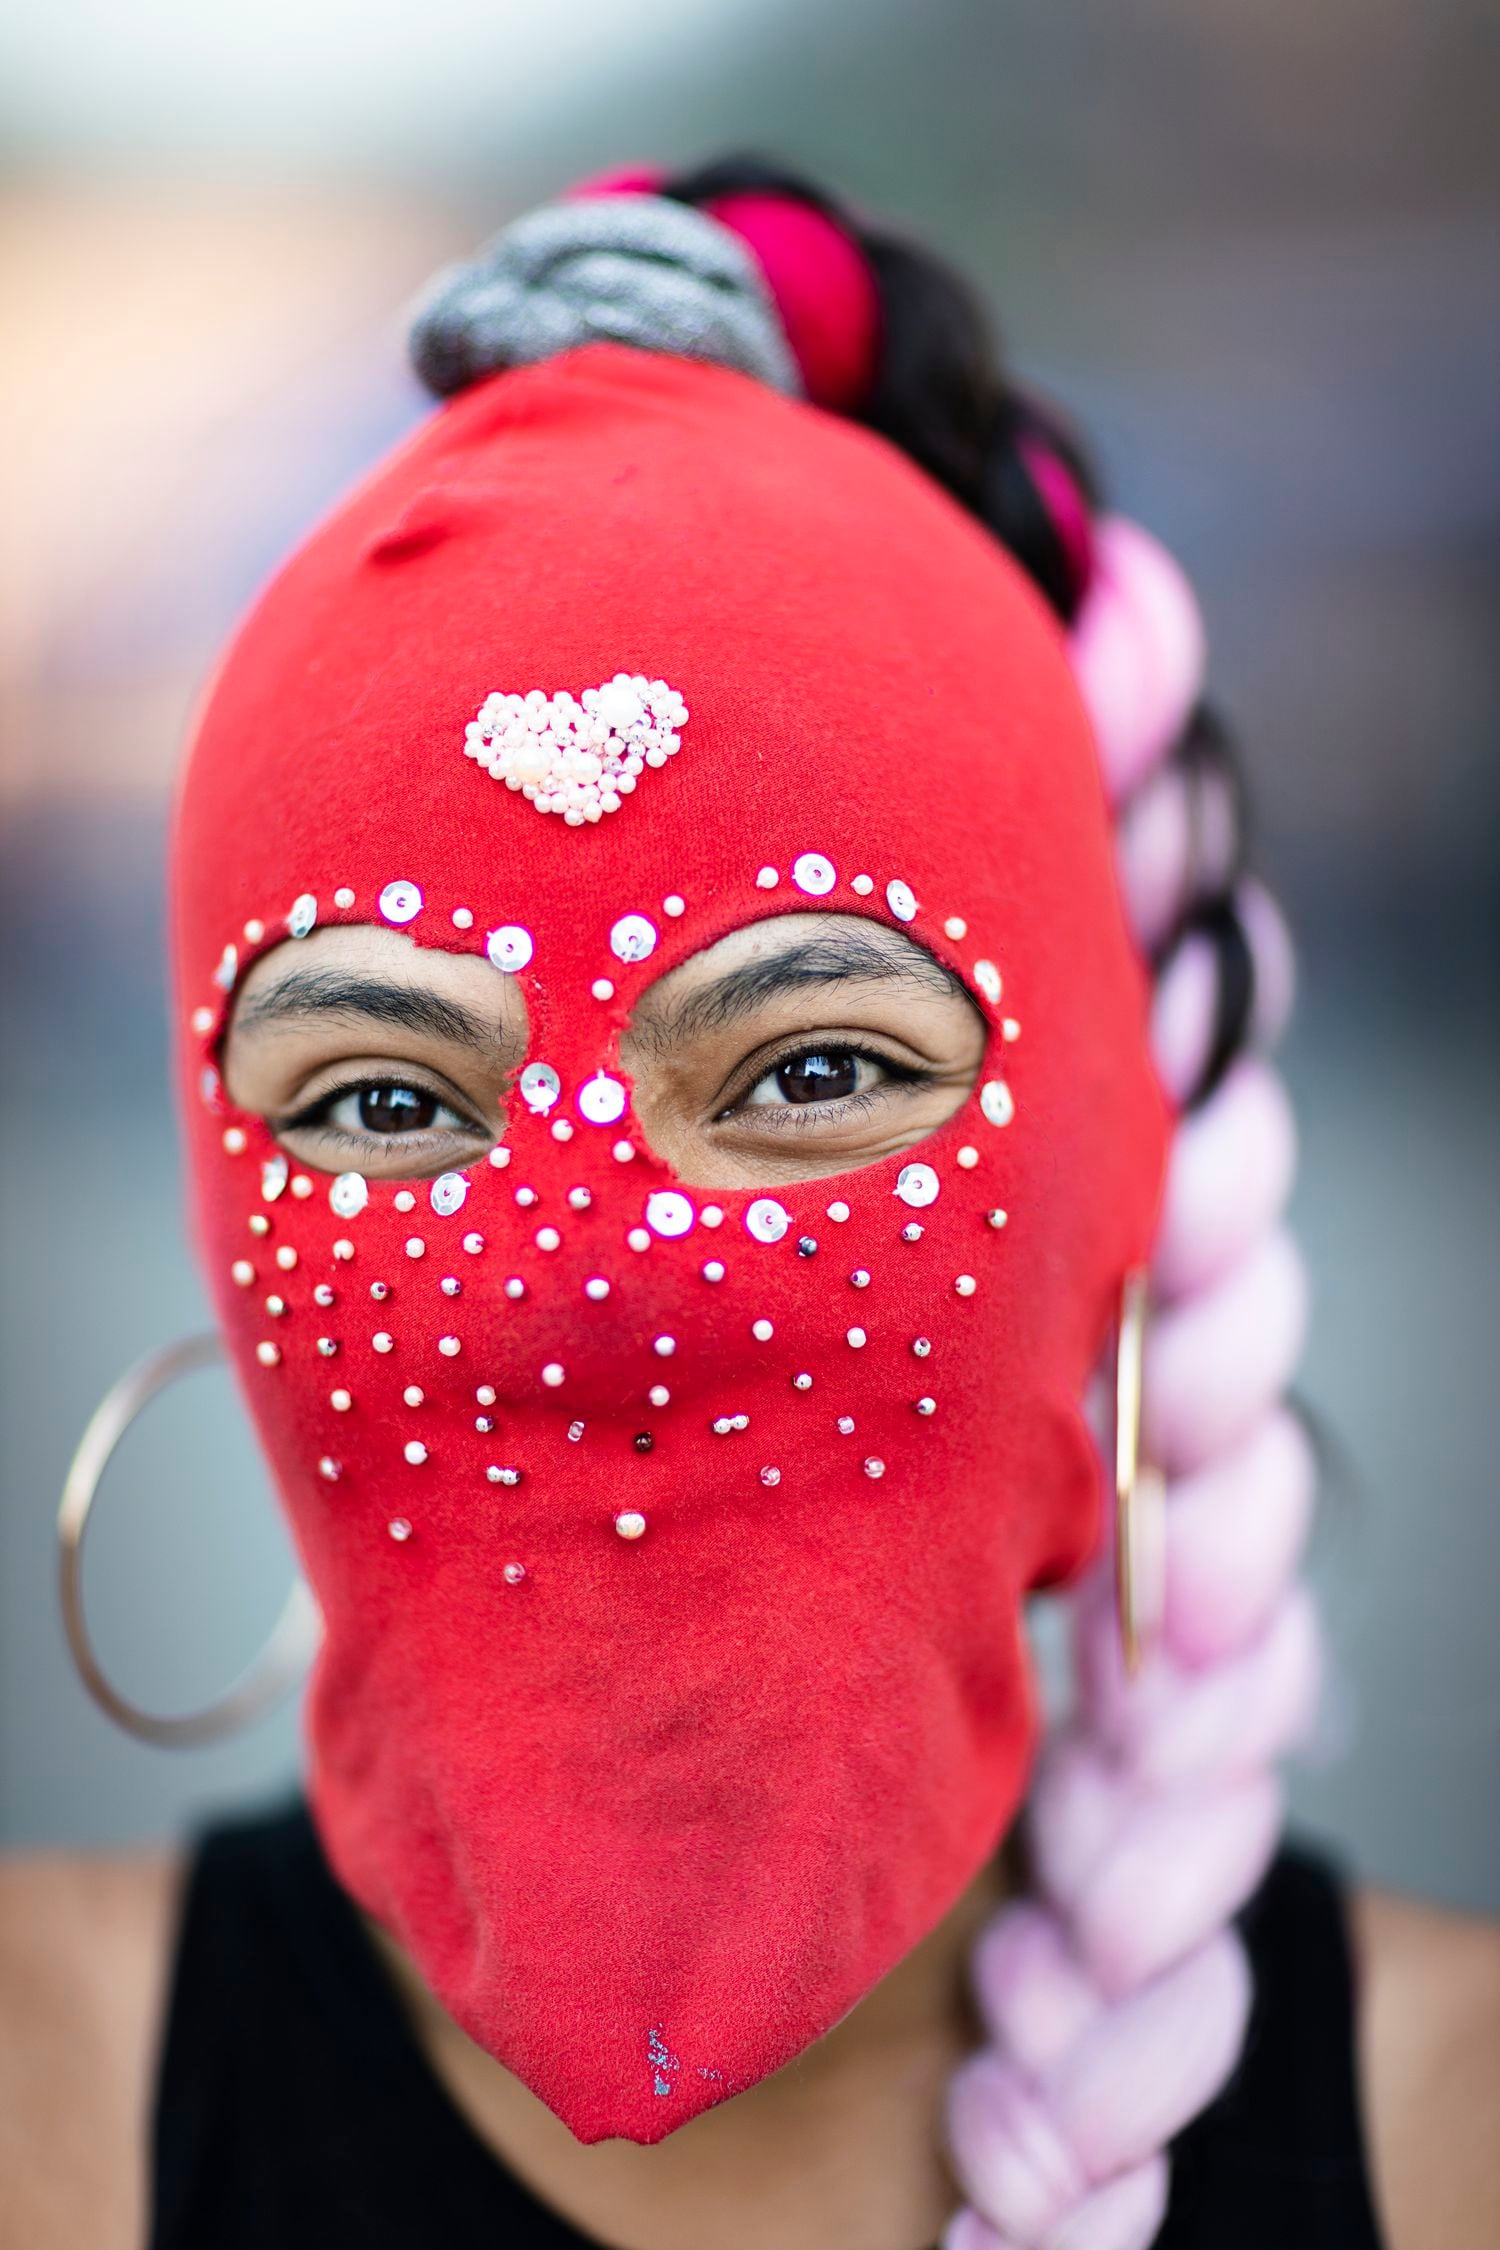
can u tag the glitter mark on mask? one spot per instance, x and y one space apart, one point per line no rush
661 2059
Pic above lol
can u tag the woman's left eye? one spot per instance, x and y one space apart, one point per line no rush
819 1074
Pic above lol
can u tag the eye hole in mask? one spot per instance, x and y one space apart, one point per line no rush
796 1048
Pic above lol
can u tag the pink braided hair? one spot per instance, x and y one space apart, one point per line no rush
1116 2001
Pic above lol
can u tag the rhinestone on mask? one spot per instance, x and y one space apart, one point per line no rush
807 1246
302 919
845 1425
874 1466
329 1468
400 902
575 1431
770 1476
513 1573
399 1529
643 1441
503 1476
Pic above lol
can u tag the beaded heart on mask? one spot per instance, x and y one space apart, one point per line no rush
578 757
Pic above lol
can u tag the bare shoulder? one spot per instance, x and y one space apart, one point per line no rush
1429 1990
85 1945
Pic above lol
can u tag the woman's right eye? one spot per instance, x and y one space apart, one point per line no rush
389 1108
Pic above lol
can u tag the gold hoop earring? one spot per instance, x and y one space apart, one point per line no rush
1140 1490
294 1636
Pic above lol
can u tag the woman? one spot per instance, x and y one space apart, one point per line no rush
677 1113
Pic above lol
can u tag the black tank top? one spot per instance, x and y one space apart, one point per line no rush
295 2110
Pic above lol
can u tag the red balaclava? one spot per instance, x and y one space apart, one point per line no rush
655 1761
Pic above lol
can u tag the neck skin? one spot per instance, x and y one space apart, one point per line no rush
841 2147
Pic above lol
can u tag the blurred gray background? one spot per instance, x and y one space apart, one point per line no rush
1251 246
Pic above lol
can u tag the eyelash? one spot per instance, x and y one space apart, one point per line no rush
316 1113
806 1117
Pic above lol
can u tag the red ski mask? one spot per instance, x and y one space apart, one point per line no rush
657 1761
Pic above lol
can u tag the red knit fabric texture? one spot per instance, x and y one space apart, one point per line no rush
654 1817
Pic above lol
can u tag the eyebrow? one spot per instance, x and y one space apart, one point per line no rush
324 994
821 961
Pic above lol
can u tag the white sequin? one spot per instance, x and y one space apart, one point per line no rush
987 977
668 1213
633 938
400 902
765 1220
901 899
602 1100
917 1184
302 919
540 1087
509 948
814 874
447 1193
997 1102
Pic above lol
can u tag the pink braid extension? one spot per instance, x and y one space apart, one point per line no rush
1116 2001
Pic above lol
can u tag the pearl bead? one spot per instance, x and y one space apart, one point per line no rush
416 1452
513 1573
399 1529
449 1346
243 1272
413 1395
838 1212
770 1476
762 1331
340 1401
659 1395
664 1346
515 1288
968 1158
857 1338
383 1342
713 1270
596 1289
638 1239
955 927
548 1238
926 1406
965 1285
416 1247
269 1355
630 1523
874 1467
552 1374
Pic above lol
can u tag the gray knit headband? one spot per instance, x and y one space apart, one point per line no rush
623 269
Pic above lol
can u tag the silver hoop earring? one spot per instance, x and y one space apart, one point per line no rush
294 1636
1140 1491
